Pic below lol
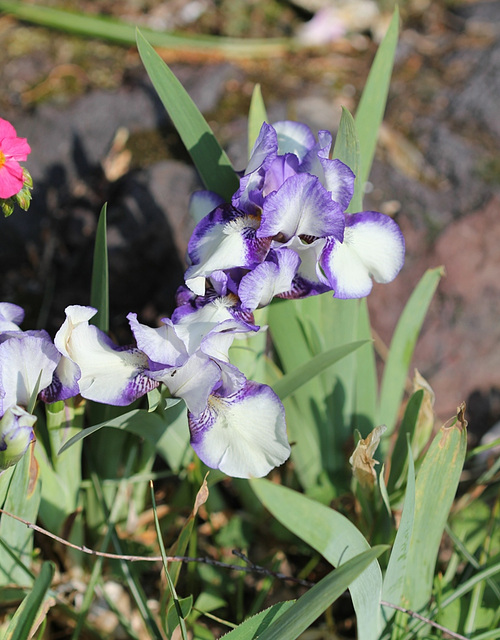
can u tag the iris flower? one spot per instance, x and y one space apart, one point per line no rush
293 198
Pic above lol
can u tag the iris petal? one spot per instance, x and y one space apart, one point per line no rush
244 434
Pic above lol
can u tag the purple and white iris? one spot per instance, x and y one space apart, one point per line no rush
28 360
285 233
286 229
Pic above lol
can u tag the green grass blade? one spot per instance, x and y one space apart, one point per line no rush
23 500
347 151
254 626
22 625
292 381
399 455
210 160
436 486
113 30
370 111
99 293
336 538
312 604
257 115
366 375
402 347
395 576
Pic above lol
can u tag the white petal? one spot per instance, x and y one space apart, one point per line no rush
243 435
202 203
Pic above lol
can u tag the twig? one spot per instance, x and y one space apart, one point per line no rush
250 568
414 614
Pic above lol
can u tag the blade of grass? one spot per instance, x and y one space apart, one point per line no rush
395 576
113 30
402 347
312 604
257 115
336 538
23 624
436 486
99 293
178 609
210 160
292 381
370 111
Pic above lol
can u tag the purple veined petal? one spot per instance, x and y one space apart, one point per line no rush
294 137
243 434
268 279
339 180
193 382
373 247
109 374
223 240
24 357
11 315
202 203
282 168
64 383
301 206
309 279
162 345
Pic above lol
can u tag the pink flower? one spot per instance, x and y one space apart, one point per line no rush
12 150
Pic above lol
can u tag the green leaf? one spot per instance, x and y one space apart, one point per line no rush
366 375
370 111
436 486
336 538
399 455
23 500
254 626
292 381
402 347
395 576
124 33
24 623
312 604
347 151
210 160
257 115
99 295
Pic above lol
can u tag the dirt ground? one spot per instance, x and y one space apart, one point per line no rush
98 134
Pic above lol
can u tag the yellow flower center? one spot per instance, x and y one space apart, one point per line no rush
2 159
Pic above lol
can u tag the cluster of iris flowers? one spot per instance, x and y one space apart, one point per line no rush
285 233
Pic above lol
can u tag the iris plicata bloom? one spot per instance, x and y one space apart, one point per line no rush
12 151
293 197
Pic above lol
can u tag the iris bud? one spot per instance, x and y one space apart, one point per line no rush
16 434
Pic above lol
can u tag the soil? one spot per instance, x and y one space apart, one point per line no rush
99 134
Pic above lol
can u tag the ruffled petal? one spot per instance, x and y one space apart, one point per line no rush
309 280
294 137
10 316
202 203
11 179
223 240
162 345
339 181
302 206
244 434
24 356
373 247
108 374
268 279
